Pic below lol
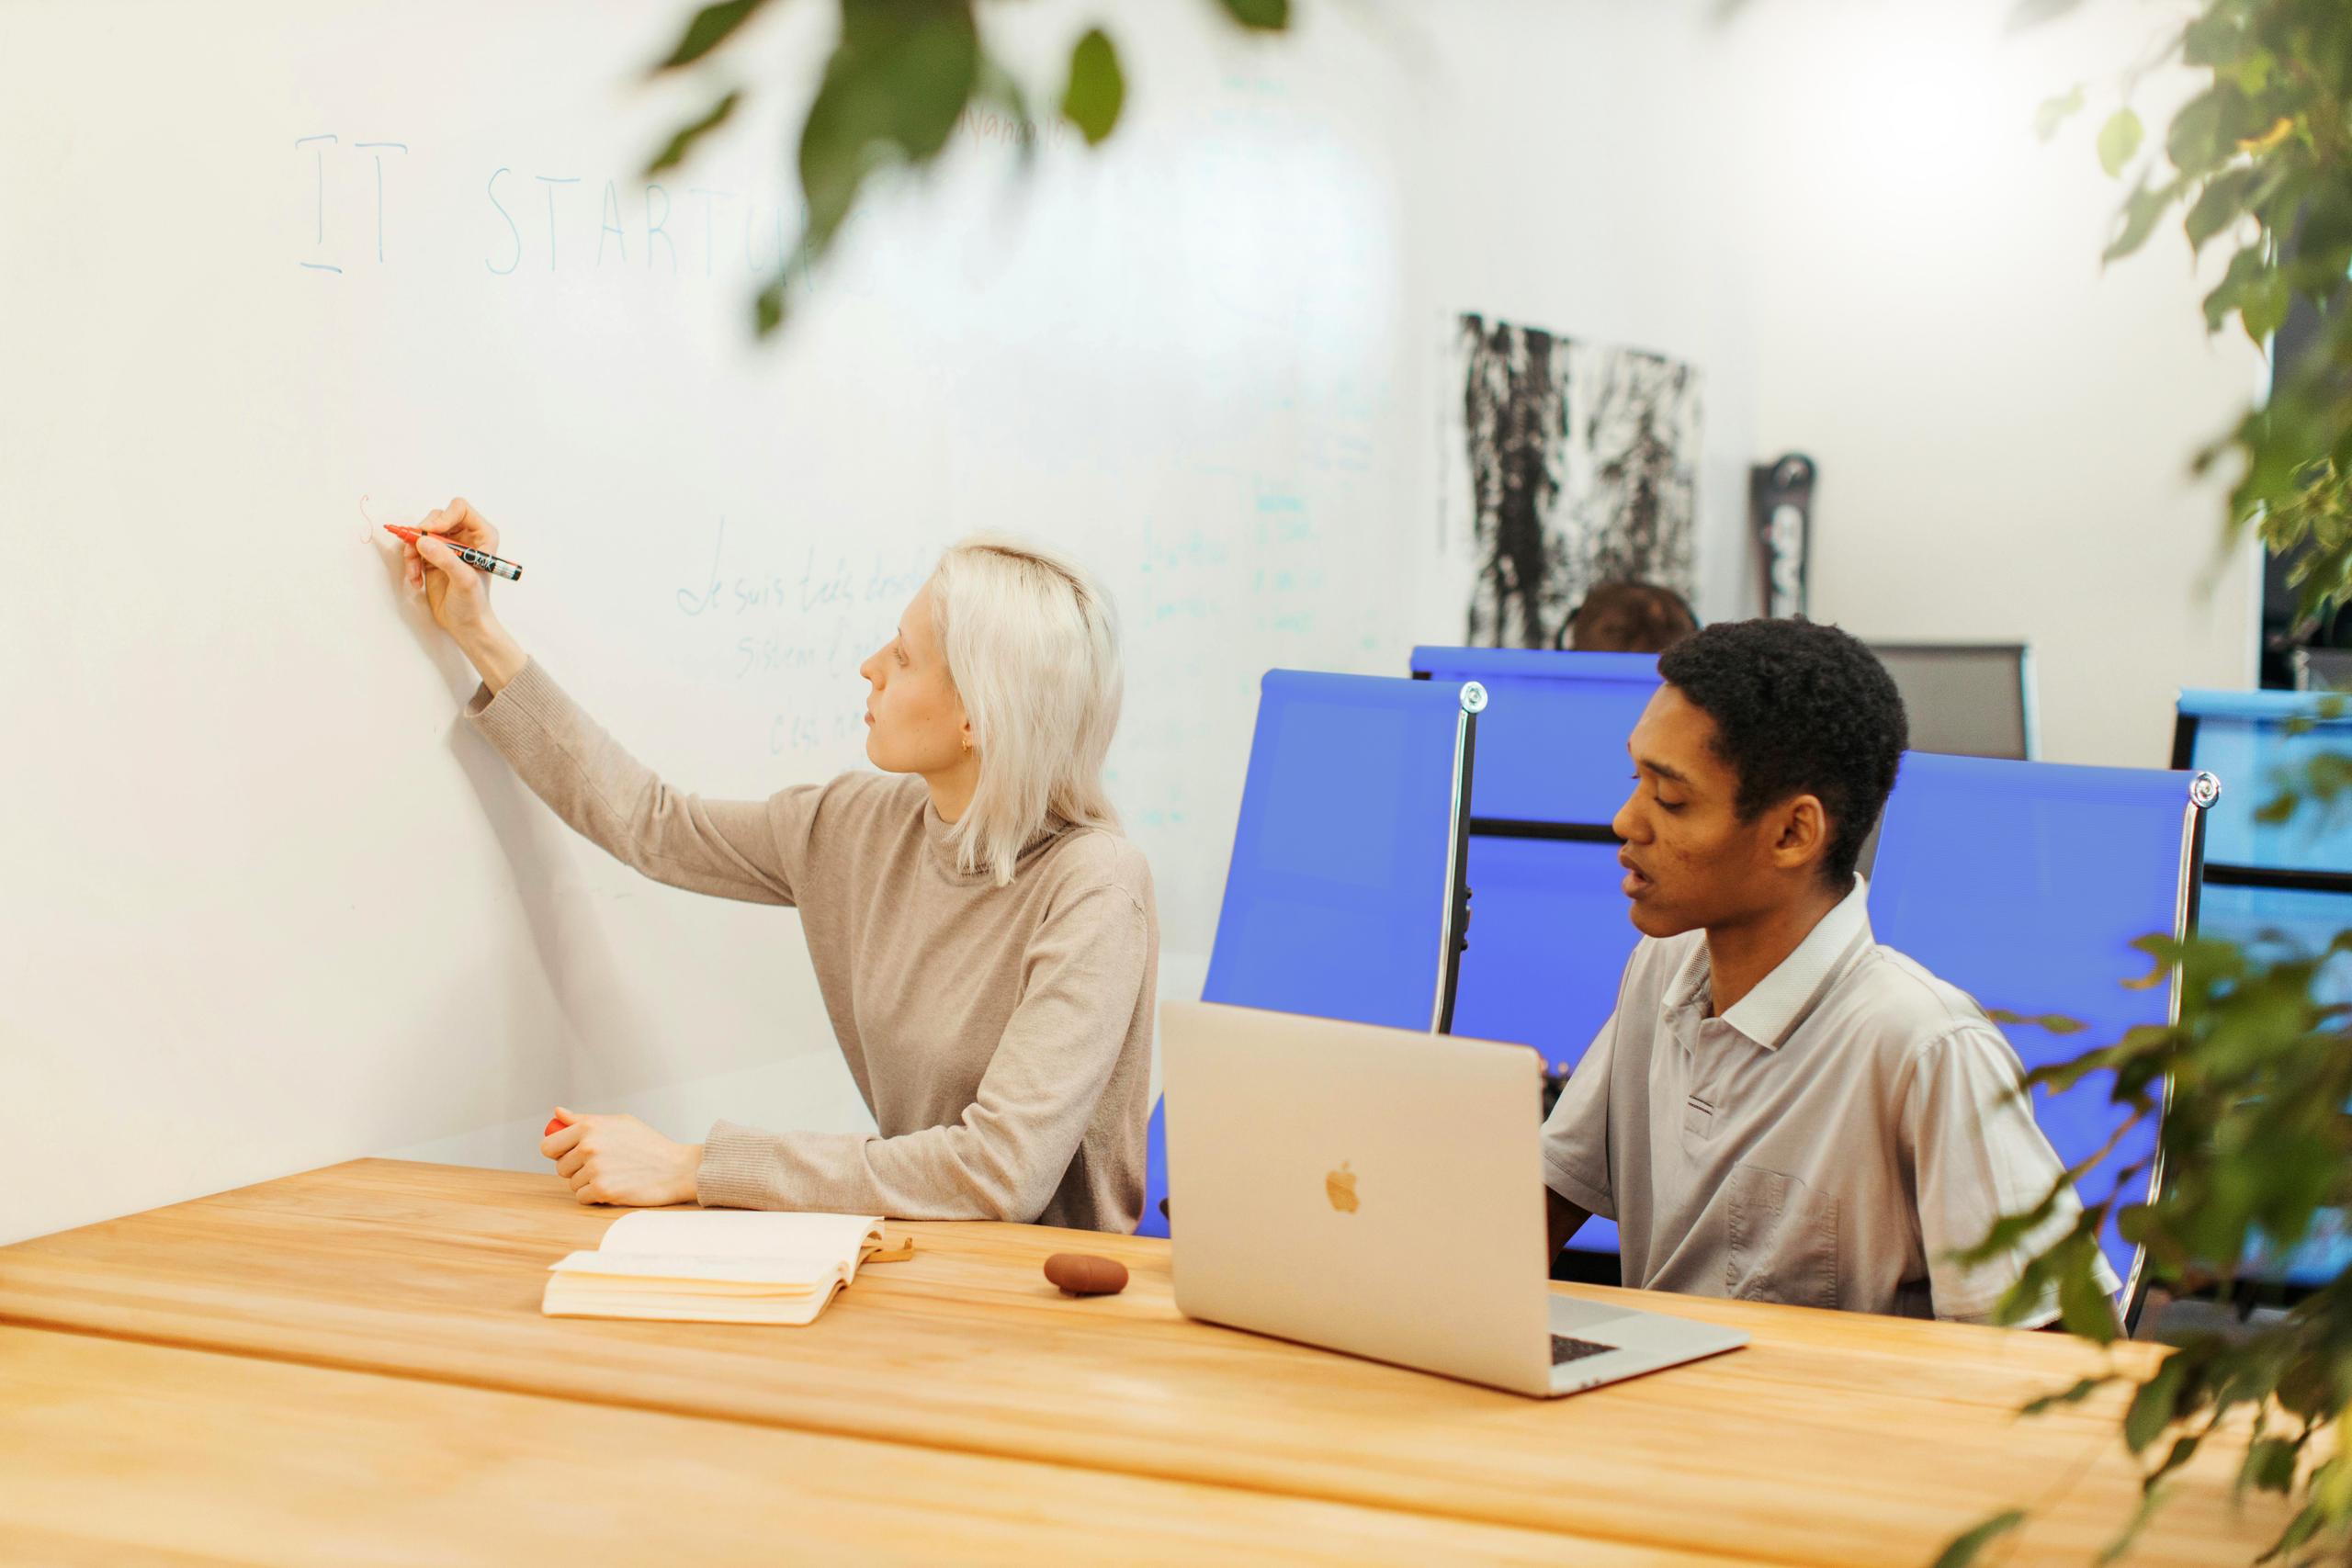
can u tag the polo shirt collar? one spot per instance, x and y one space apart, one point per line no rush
1783 1000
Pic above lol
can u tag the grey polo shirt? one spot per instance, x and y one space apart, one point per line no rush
1827 1142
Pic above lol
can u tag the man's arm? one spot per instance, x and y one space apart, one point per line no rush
1562 1220
1978 1155
1576 1138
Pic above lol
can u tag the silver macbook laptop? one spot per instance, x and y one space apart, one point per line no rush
1381 1191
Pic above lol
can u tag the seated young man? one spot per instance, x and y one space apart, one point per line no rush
1780 1109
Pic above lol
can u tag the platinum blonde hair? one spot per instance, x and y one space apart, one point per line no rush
1032 647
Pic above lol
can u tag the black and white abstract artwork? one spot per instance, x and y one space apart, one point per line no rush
1568 465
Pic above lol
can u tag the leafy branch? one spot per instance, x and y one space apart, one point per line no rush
900 75
2260 158
2256 1143
2249 1089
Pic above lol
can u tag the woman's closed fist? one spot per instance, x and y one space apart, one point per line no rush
620 1159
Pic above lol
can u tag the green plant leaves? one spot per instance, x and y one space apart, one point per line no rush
2073 1396
2149 1497
2153 1406
2323 245
2010 1229
2214 38
892 92
1962 1548
2307 1388
2300 1528
683 141
2055 112
2219 205
2033 13
2197 140
2263 308
2141 209
706 29
1263 16
2255 1076
2051 1022
2083 1303
1096 89
2270 1464
896 82
2118 140
2246 267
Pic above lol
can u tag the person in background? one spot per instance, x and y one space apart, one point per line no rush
1780 1109
984 936
1629 617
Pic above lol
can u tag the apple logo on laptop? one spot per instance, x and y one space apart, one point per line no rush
1340 1188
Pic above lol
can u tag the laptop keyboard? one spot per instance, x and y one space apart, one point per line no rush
1565 1349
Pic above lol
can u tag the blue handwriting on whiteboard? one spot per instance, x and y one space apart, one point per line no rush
319 145
709 223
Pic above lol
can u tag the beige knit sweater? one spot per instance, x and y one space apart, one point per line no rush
1001 1037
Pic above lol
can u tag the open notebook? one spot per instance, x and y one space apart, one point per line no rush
705 1266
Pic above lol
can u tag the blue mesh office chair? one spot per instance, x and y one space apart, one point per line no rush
1345 895
1549 933
1557 752
2025 884
2254 741
2274 888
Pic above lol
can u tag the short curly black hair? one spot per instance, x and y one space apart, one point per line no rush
1799 709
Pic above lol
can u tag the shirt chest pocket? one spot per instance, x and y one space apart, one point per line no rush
1783 1240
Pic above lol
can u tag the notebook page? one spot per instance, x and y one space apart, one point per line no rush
771 1273
741 1233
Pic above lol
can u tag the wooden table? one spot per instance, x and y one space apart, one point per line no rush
114 1451
1833 1439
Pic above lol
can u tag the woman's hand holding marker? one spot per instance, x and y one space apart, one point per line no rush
620 1159
456 593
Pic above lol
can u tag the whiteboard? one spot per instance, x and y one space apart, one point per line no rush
271 904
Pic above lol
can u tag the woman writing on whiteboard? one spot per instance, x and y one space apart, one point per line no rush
983 935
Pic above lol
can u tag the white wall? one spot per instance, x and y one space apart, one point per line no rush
270 906
250 794
1839 210
1568 179
2004 430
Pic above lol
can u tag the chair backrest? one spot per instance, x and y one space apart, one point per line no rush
2254 742
1548 939
1552 746
1549 935
2274 888
2025 884
1345 895
1965 699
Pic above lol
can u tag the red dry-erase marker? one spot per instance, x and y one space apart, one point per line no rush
474 557
553 1123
